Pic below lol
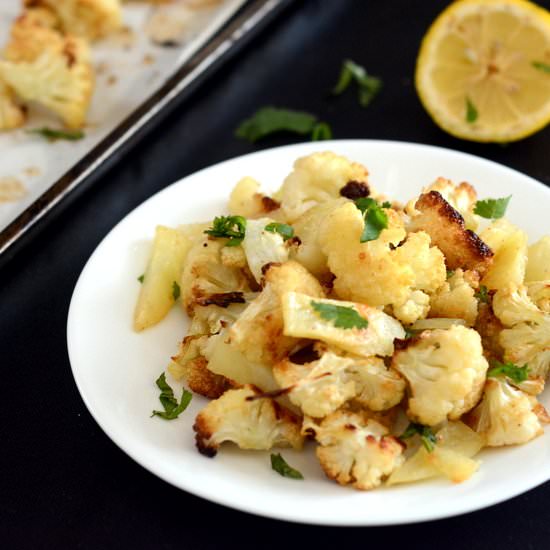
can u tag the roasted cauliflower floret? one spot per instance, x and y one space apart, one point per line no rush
49 68
208 278
306 227
446 227
538 261
509 244
356 450
259 331
446 370
462 197
90 19
539 292
321 387
307 317
12 115
248 420
246 200
506 415
318 178
262 247
456 298
385 271
527 341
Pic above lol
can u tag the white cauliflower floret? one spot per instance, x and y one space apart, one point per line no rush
527 341
49 68
306 227
506 415
321 387
456 298
538 260
539 292
247 201
509 244
383 271
462 197
445 370
258 333
357 450
12 115
262 247
318 178
208 279
245 418
318 319
90 19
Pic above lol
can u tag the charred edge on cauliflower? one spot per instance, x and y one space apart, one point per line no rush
269 204
223 299
202 381
268 266
462 247
355 190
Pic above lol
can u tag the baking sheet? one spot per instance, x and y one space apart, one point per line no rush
130 67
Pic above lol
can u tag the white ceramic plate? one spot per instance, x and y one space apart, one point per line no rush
115 368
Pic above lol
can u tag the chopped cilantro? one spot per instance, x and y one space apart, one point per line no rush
52 134
169 402
286 231
386 204
368 86
341 316
515 373
492 209
471 111
375 218
544 67
176 291
141 278
232 228
270 120
280 465
482 294
450 273
426 434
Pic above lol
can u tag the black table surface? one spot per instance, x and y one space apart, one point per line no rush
63 483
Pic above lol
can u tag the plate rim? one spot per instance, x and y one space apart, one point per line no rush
217 498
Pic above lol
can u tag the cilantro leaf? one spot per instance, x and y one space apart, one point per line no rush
141 278
426 434
176 291
341 316
232 228
368 85
515 373
169 402
471 111
386 204
450 273
482 294
364 203
544 67
52 134
321 131
270 120
492 209
280 465
286 231
375 218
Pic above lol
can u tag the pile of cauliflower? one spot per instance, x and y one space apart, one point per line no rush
386 353
47 60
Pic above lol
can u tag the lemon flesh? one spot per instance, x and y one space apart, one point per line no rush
483 71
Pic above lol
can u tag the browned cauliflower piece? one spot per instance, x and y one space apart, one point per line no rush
506 415
12 115
356 450
456 298
259 331
318 178
461 247
44 66
246 200
248 420
90 19
446 371
462 197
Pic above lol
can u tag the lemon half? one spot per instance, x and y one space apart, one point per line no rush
483 70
